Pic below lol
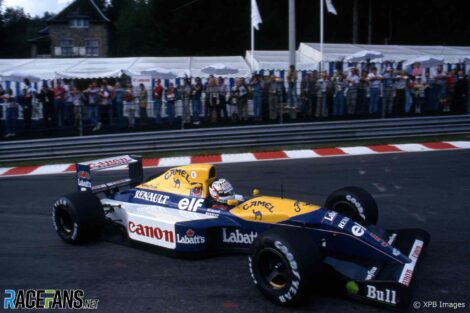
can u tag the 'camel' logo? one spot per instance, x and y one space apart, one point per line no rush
258 214
297 207
176 183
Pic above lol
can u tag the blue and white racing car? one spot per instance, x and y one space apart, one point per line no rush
292 246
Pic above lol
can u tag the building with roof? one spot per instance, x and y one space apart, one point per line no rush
79 30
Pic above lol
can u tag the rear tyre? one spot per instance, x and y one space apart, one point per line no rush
78 217
283 264
355 203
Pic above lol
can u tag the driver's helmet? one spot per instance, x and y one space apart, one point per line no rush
221 190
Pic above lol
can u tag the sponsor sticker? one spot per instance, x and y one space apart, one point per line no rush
294 287
358 230
83 175
196 189
267 205
150 231
151 196
408 268
100 164
178 172
386 295
213 212
190 204
357 204
371 273
343 222
329 217
238 236
190 238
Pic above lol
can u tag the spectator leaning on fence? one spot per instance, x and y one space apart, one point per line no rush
196 100
222 98
77 101
387 92
68 105
158 92
105 104
353 85
362 95
273 97
46 98
118 98
143 105
460 92
185 92
292 85
11 105
171 97
28 101
92 93
323 87
129 106
420 87
400 89
241 94
256 90
375 87
212 99
307 95
340 89
59 104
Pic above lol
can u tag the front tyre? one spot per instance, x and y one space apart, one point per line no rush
283 263
78 217
355 203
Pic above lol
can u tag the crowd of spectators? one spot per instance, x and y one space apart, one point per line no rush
315 96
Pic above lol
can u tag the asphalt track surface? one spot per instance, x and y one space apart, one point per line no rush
429 190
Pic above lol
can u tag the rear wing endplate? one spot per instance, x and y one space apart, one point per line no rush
84 172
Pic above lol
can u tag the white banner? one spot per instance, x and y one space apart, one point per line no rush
330 7
255 16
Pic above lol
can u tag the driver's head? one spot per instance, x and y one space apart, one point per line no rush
221 190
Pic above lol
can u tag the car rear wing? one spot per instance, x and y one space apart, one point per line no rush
85 178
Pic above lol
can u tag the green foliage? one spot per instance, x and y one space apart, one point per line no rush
16 28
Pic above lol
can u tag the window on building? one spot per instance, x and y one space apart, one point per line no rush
91 47
66 47
79 23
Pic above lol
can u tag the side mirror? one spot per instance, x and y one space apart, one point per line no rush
256 192
232 202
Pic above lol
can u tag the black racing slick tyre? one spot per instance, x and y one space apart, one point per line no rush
283 264
78 217
355 203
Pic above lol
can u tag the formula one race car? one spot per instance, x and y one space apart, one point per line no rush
291 245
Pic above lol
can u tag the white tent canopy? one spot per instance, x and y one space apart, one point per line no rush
198 64
18 76
395 53
425 61
177 65
308 57
114 67
219 69
279 60
364 55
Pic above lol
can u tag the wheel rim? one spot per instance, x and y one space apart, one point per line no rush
274 268
347 209
64 221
